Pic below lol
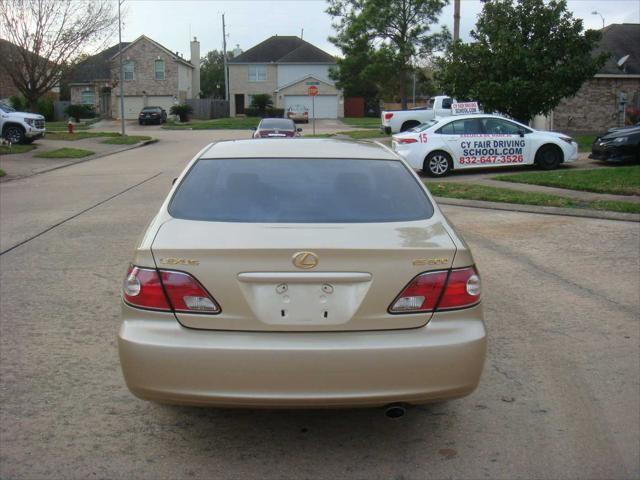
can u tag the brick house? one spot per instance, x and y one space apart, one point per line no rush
283 66
595 107
153 76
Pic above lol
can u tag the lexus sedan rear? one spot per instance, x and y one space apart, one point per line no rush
300 273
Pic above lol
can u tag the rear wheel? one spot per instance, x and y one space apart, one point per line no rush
14 134
437 164
549 157
408 125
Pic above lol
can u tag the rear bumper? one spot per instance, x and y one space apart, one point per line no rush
163 361
614 154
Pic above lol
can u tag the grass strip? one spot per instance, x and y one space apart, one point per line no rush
126 140
231 123
71 137
614 180
362 122
5 150
65 153
505 195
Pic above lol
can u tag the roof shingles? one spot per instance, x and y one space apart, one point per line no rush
284 49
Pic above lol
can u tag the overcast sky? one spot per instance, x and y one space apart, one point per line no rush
172 22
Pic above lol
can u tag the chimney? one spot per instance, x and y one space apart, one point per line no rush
195 61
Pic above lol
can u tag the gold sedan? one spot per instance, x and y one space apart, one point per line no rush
301 273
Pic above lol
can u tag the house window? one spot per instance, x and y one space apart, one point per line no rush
159 69
87 97
257 73
128 71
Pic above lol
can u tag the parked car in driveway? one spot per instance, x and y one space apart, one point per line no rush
20 127
617 146
152 115
276 128
298 113
299 273
393 121
471 141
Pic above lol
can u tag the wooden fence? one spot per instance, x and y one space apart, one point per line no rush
206 108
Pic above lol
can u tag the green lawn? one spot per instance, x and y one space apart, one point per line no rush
360 134
231 123
78 135
65 153
62 126
616 180
504 195
362 122
126 140
5 150
584 142
319 135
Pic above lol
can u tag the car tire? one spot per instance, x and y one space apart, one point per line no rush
14 134
437 164
408 125
549 157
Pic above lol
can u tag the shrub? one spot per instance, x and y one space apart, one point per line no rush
79 111
45 108
262 102
18 102
183 111
633 116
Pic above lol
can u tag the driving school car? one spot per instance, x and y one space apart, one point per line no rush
472 141
301 272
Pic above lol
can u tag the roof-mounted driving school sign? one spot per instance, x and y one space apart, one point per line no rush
464 108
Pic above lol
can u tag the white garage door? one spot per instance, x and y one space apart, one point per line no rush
326 105
165 102
132 107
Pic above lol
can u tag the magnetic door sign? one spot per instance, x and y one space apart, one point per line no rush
312 91
464 108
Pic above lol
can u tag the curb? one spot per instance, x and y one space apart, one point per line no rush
93 157
566 212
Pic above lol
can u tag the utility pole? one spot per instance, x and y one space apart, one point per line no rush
121 70
224 51
456 20
414 87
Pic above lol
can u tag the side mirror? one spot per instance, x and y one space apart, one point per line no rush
298 129
521 132
174 181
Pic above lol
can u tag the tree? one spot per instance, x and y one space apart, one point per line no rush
526 57
381 40
212 75
46 37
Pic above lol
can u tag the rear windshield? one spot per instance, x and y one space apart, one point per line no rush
151 109
300 191
279 123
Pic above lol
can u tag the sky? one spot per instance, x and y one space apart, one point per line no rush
174 22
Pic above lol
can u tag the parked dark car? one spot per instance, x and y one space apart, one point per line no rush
618 146
152 115
276 128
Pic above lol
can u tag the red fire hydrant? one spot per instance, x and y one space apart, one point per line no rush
70 126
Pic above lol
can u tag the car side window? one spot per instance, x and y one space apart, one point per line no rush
473 126
452 128
497 126
446 102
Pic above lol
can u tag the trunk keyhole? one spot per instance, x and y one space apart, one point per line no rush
283 313
325 314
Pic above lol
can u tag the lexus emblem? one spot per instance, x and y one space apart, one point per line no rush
305 260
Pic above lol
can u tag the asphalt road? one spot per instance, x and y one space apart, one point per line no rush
559 397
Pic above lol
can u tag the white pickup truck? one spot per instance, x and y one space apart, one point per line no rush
394 121
20 127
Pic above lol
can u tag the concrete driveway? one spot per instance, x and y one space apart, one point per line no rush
559 397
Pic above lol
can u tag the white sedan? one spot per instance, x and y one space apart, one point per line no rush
471 141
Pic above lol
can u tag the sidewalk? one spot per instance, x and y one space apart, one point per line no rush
26 164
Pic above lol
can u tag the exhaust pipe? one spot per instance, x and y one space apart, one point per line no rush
394 411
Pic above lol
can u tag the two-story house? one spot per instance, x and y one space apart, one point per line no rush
284 67
153 76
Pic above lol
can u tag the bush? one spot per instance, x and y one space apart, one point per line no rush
18 102
183 111
79 111
633 116
45 108
262 102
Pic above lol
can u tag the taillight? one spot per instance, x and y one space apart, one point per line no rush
387 116
441 290
407 140
166 290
